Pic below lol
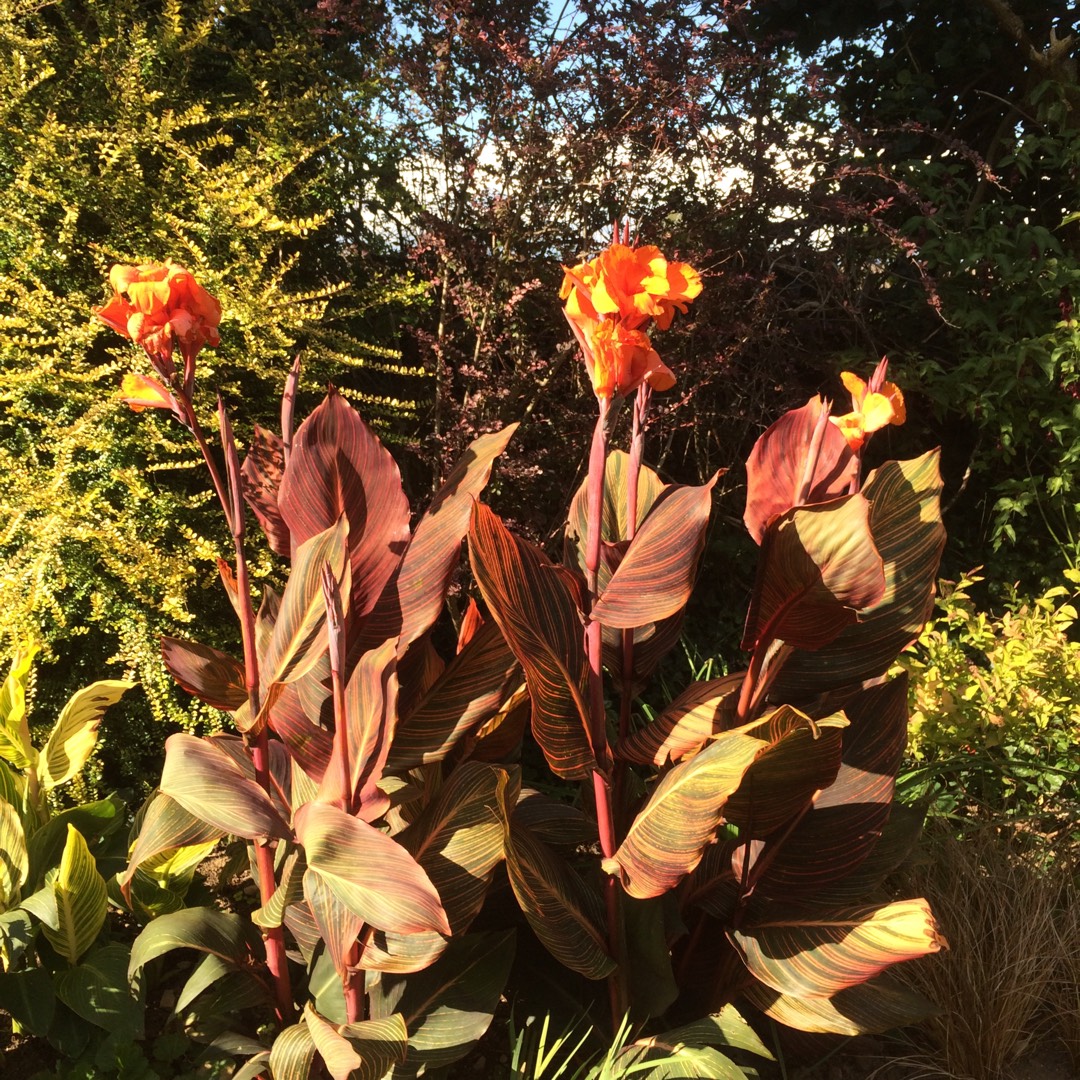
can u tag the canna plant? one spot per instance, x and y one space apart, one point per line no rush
729 851
60 975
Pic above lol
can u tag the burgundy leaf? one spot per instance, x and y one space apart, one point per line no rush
210 675
655 577
775 468
818 567
337 466
539 612
261 480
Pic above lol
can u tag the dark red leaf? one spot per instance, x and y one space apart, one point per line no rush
818 567
774 470
538 608
210 675
337 466
261 481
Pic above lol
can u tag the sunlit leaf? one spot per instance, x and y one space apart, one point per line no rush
205 781
99 992
822 953
370 873
73 738
776 466
261 480
81 900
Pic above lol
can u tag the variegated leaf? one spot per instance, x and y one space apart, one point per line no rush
905 520
338 470
470 691
775 468
821 953
211 675
370 873
81 900
538 610
206 782
869 1008
72 740
654 578
555 902
818 568
14 862
697 715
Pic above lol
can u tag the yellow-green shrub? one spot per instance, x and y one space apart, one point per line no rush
995 698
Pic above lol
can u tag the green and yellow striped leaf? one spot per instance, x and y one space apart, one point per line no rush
81 900
205 929
338 926
869 1008
820 954
205 780
369 872
380 1044
14 731
73 738
14 861
905 521
656 575
167 828
538 608
818 568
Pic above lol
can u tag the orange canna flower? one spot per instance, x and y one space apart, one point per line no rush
871 409
141 392
610 298
164 308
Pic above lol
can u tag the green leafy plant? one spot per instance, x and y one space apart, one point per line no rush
994 704
62 977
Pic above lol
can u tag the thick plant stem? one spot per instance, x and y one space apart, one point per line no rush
258 747
617 986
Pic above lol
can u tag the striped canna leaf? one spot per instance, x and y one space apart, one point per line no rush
818 954
81 900
538 608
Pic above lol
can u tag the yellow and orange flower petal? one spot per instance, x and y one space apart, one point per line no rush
163 304
141 392
622 359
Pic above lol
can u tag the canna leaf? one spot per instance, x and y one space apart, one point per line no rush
205 929
449 1005
261 476
98 991
905 520
338 926
774 470
414 596
72 740
371 874
381 1044
204 779
868 1008
699 713
81 900
656 575
470 691
819 954
14 861
818 568
338 470
292 1056
538 608
211 675
298 640
554 901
